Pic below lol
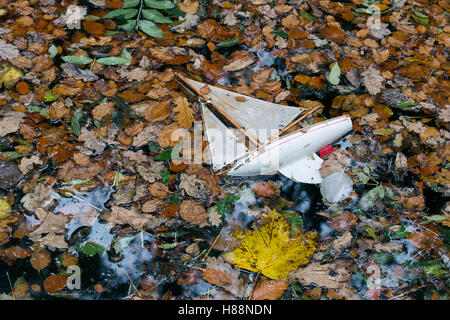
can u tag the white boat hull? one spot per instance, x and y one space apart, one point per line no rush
294 155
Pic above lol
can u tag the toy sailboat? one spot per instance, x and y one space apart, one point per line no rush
259 144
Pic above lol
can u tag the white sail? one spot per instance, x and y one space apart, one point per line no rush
252 114
224 146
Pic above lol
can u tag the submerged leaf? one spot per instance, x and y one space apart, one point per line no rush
76 127
77 59
270 250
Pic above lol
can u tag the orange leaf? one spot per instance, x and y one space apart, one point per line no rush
55 283
40 259
269 290
216 277
264 189
424 240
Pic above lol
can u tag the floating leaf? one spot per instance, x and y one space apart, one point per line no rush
49 97
270 250
5 209
118 118
150 28
158 4
269 290
184 114
280 33
91 248
228 43
122 13
53 51
76 127
41 110
168 246
155 16
112 61
335 74
80 60
165 176
40 259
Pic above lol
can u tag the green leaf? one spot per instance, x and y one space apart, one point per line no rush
122 13
177 12
435 269
76 182
53 51
371 233
50 97
76 127
129 26
91 249
118 118
224 205
126 55
306 15
165 176
150 29
168 246
77 59
157 4
228 43
280 33
42 111
165 155
155 16
131 4
14 155
153 147
383 257
383 132
112 61
335 74
407 104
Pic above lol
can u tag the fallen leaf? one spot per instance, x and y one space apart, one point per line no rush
265 189
72 18
40 259
270 250
317 274
26 164
10 122
343 221
215 276
55 283
123 216
8 51
193 212
269 290
373 80
183 112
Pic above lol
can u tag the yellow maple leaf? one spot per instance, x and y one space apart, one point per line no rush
184 114
271 250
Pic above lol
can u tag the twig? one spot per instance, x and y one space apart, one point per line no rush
131 282
213 244
407 292
10 284
254 286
